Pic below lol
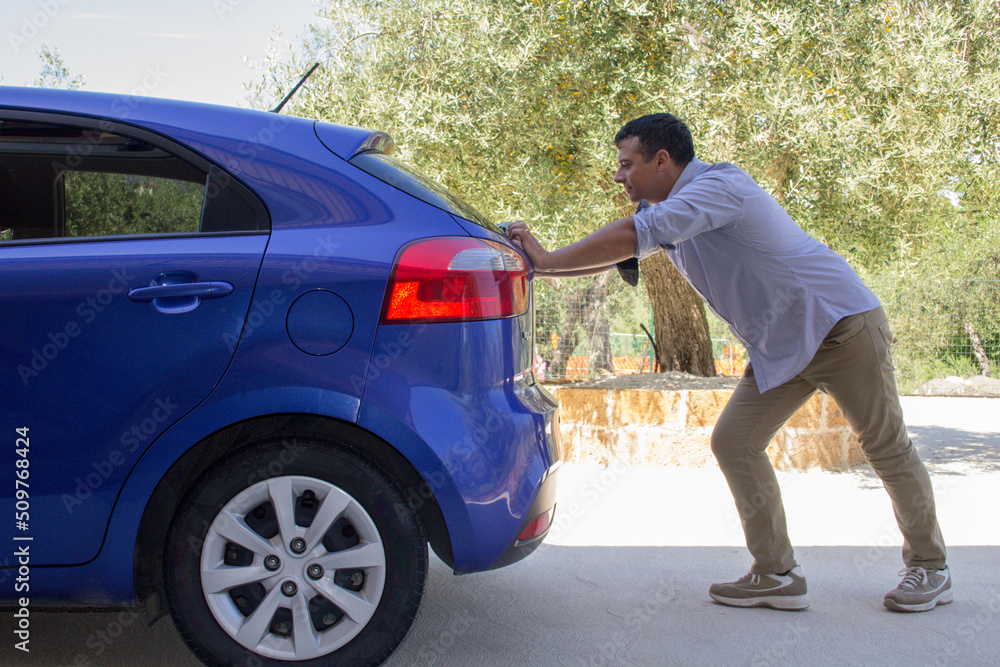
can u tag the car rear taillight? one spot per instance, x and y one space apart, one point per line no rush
454 279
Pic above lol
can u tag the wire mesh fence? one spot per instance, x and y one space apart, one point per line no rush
943 328
583 333
585 330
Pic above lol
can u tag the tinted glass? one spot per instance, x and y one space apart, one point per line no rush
404 177
61 181
102 204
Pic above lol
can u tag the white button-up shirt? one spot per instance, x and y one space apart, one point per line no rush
779 289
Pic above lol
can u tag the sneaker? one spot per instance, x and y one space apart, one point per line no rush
920 590
779 591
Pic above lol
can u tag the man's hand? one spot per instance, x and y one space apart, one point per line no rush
592 254
519 232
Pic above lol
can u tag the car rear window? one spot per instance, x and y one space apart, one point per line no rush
404 177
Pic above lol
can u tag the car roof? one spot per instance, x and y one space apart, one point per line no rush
179 119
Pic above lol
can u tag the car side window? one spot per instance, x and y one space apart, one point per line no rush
62 182
104 204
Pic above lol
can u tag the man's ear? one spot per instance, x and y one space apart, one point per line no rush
663 159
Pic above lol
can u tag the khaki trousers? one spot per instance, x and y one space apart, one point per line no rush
854 367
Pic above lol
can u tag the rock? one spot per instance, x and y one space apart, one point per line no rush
985 386
666 381
673 427
955 386
951 386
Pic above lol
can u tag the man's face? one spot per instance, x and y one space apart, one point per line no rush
641 178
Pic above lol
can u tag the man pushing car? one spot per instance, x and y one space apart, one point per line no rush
808 323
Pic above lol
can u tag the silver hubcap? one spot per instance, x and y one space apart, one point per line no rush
290 591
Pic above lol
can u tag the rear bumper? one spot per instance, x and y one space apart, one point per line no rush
455 400
545 502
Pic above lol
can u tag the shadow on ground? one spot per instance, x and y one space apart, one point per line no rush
942 446
945 451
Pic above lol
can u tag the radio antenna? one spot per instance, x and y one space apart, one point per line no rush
277 109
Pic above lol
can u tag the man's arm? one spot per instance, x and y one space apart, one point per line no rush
601 250
577 273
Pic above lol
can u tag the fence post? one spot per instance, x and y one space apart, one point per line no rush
652 352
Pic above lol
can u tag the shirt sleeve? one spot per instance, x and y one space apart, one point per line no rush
707 203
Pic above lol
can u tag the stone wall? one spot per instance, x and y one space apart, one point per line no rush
673 428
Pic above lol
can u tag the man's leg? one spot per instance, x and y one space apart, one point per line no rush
739 441
854 367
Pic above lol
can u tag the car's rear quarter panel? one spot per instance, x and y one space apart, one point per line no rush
455 397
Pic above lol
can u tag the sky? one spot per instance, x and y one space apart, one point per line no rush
181 49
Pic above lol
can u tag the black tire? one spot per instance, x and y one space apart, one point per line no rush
220 577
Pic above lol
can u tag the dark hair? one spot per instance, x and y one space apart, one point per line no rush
659 131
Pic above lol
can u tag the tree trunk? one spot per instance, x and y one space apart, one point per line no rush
680 324
597 325
978 350
575 301
587 304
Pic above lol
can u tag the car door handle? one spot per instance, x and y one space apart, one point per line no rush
204 290
176 292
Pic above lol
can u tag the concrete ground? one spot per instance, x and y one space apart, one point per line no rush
623 577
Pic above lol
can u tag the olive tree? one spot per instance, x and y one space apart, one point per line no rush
875 123
55 73
512 104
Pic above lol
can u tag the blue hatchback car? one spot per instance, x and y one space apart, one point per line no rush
252 364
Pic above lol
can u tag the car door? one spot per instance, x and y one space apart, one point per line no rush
127 267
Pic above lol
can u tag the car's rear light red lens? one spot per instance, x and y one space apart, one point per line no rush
452 279
537 527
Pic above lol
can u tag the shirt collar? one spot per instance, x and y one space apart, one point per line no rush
691 169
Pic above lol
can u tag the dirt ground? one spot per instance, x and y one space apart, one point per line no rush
671 380
676 380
